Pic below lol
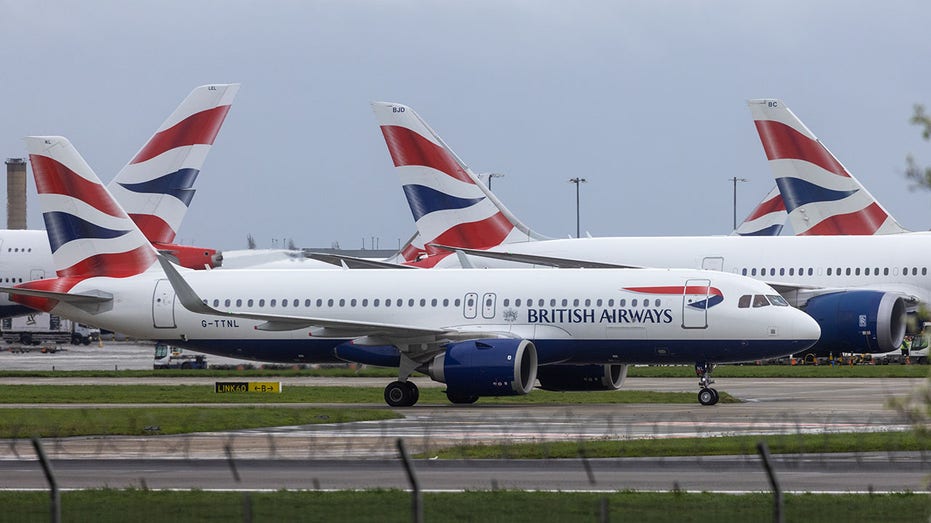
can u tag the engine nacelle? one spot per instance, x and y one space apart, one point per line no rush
493 367
581 377
377 355
858 321
190 256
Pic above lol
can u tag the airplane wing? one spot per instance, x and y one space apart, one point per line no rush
562 263
277 322
352 262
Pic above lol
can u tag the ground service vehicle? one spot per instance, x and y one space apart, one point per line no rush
40 327
170 357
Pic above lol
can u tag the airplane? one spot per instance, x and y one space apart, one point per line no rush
156 186
482 333
859 295
819 193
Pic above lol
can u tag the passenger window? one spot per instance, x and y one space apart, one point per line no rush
262 302
388 303
782 271
866 271
552 302
273 302
307 303
575 302
517 302
506 302
399 302
365 302
792 271
633 302
743 271
885 271
914 271
295 303
744 301
319 302
611 303
352 302
446 302
216 303
433 302
376 302
410 302
599 302
423 302
226 302
657 302
284 303
250 302
329 302
456 302
239 302
588 302
857 271
760 301
753 272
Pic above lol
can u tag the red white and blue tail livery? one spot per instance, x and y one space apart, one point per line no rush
450 206
89 234
767 218
820 195
156 186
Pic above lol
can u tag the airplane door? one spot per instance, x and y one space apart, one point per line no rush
488 305
695 297
470 306
163 305
713 263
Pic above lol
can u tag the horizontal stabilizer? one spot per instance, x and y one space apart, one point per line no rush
66 297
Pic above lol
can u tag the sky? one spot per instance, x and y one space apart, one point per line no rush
644 99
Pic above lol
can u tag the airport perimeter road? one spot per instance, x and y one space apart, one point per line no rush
838 473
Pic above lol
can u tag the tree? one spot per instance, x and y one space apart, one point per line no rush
250 241
919 175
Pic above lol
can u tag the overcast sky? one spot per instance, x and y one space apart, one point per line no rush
645 99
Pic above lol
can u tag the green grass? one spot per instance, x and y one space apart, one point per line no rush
722 445
44 423
70 394
142 506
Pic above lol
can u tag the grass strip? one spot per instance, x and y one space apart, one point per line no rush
104 506
698 446
23 423
71 394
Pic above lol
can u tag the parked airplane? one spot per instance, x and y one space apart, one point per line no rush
156 186
767 218
483 333
858 294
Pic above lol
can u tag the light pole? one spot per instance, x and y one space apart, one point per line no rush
735 180
577 182
489 177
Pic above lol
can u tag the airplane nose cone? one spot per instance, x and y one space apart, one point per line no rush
806 328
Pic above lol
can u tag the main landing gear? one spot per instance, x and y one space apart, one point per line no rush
707 395
401 394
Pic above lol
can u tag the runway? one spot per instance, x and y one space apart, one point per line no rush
364 454
840 473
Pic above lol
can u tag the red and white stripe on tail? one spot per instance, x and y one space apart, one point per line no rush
766 219
820 195
450 206
89 233
156 186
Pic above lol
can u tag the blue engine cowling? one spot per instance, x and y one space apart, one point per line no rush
377 355
493 367
581 377
858 321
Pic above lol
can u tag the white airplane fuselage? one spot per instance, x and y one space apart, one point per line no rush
893 263
571 315
24 256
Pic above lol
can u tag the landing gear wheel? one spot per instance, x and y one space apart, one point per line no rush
461 399
708 396
414 391
400 394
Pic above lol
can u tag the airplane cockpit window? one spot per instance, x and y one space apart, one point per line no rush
777 300
760 300
744 301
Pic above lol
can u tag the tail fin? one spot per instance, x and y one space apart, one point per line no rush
89 233
821 196
156 186
767 219
450 206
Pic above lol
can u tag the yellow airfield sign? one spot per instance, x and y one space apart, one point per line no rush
248 386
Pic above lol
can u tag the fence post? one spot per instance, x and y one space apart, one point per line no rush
763 449
416 499
55 509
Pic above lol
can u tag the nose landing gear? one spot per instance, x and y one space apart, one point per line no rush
707 395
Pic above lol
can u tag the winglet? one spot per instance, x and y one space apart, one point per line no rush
189 298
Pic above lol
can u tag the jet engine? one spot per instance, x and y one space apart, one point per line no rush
581 377
858 321
492 367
